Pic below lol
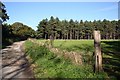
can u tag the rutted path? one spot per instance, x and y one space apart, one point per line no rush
15 63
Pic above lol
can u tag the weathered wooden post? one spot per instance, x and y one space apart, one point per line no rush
98 55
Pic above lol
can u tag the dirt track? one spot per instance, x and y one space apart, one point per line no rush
15 63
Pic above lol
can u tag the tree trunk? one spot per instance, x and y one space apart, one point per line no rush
91 36
74 34
110 35
70 34
67 35
87 35
77 36
107 34
51 41
45 36
114 35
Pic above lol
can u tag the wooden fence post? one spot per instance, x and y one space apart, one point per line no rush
98 55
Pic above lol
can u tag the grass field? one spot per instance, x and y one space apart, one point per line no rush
111 59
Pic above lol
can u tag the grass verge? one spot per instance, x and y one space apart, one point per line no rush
49 65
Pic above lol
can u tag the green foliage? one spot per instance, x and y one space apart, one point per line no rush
49 65
6 35
84 47
111 58
37 51
110 50
71 29
22 31
3 14
15 32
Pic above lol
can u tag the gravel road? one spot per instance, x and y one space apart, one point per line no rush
15 65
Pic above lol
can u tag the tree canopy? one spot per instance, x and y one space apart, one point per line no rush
71 29
16 32
3 13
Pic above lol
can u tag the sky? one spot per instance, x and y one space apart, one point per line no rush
60 0
31 13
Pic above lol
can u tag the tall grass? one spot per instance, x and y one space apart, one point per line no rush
84 47
49 65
